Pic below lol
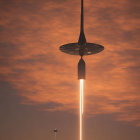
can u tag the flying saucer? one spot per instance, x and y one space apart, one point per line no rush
88 49
82 47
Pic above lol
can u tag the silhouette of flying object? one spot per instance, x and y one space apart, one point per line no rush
82 47
55 130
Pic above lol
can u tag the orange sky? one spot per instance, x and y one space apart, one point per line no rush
31 33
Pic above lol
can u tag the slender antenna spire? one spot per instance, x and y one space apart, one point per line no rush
82 16
82 38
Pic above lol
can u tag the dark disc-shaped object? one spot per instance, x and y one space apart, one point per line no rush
89 48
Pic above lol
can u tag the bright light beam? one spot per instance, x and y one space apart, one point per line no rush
81 106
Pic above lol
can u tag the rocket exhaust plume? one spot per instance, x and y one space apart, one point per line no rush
81 106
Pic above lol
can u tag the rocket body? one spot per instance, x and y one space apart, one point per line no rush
81 69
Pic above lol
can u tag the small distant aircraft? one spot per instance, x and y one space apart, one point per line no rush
55 130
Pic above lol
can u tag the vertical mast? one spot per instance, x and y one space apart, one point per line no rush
82 39
82 17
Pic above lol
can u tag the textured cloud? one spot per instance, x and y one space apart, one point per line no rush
30 60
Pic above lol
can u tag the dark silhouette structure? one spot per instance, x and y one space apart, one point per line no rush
82 47
55 130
